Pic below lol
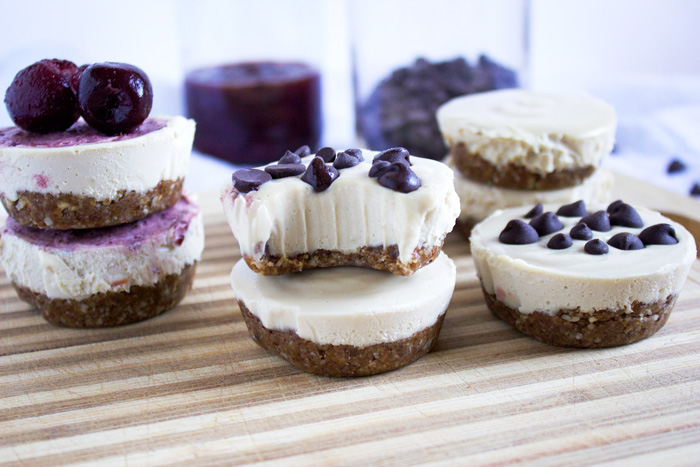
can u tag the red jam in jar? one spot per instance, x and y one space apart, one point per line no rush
251 113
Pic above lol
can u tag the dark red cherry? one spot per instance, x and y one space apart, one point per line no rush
76 79
40 98
113 97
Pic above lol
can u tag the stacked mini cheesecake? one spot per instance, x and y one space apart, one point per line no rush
342 271
99 232
514 148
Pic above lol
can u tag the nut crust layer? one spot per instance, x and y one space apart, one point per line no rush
373 257
113 308
602 328
341 360
69 211
515 176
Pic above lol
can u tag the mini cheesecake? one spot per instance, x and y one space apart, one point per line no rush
527 140
478 200
600 278
109 276
346 321
285 225
81 179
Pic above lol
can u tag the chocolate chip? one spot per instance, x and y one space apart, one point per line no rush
327 154
546 223
576 209
625 215
518 232
596 247
598 221
290 158
614 205
245 180
559 241
695 191
303 151
319 175
535 211
659 234
343 160
356 153
676 166
626 241
399 177
285 170
393 155
378 168
581 232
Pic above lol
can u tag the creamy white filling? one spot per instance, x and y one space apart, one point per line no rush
542 132
290 218
348 306
479 200
100 170
64 274
533 277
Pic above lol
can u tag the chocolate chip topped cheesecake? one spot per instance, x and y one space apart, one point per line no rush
582 276
385 211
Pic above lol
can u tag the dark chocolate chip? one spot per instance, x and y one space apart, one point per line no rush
535 211
285 170
319 175
343 160
598 221
518 232
327 154
581 232
393 155
659 234
303 151
355 152
695 191
614 205
546 223
676 166
378 168
626 241
596 247
245 180
290 158
399 177
625 215
559 241
576 209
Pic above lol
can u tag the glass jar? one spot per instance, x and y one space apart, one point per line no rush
252 83
411 56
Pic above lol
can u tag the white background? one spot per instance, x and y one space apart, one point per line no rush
641 55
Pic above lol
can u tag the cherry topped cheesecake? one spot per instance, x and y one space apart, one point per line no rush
80 178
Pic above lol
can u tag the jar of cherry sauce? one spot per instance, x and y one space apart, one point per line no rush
252 78
252 112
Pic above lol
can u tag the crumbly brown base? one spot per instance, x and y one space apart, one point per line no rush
113 308
602 328
373 257
69 211
515 176
341 360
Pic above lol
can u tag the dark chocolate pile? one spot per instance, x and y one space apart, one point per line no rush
401 109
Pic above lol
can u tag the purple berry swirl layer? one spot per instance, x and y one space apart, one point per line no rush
78 134
172 224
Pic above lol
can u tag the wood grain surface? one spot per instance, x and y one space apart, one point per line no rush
191 388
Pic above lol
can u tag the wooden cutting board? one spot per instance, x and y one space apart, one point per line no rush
191 388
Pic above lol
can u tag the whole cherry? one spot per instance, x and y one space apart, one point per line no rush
114 97
40 98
